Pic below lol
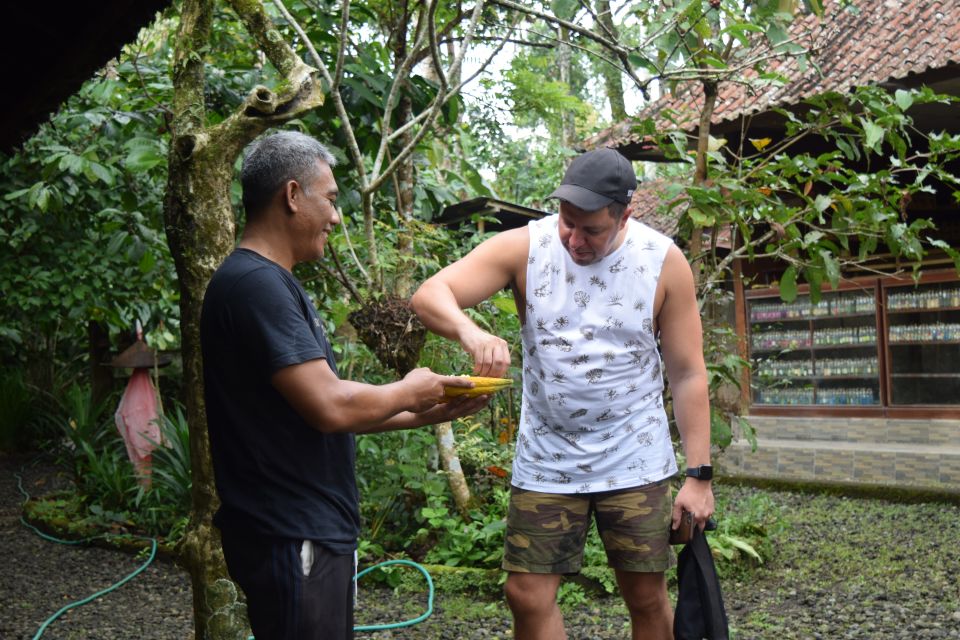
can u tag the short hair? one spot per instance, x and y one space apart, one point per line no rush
269 162
616 209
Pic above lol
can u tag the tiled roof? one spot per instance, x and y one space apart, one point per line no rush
884 41
646 200
649 207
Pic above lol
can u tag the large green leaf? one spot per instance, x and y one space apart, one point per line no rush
788 284
144 158
873 134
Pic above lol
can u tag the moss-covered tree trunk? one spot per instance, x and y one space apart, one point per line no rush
200 228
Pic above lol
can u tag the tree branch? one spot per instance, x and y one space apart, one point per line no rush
334 82
451 93
261 27
433 111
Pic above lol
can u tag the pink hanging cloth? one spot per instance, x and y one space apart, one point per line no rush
137 417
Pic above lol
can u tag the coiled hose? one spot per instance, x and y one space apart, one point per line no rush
153 554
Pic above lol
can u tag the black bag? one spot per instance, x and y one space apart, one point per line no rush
699 614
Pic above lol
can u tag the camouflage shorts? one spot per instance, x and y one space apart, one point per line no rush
546 532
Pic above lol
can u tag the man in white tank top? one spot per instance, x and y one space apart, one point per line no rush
595 290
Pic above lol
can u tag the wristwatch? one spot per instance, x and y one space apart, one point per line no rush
700 472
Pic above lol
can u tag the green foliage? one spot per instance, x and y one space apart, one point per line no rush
164 507
105 481
571 594
405 502
395 473
528 170
534 97
83 417
477 542
822 213
819 213
82 224
747 530
710 40
108 479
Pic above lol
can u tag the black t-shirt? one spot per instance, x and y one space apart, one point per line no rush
276 475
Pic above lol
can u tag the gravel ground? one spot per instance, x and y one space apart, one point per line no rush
40 577
842 568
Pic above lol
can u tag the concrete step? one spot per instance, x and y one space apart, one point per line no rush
862 430
895 464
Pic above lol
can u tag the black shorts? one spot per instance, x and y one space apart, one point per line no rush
289 598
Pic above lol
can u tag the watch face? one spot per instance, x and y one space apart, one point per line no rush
703 472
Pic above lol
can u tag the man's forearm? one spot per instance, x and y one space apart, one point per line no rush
691 407
403 420
437 308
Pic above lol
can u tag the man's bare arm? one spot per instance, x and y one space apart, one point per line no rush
439 302
332 405
681 343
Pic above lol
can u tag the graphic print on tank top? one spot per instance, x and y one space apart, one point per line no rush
592 418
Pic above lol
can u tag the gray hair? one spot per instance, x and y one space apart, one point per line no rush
272 160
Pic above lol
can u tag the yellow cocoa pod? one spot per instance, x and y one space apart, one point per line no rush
482 386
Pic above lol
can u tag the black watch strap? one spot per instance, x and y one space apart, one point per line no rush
700 472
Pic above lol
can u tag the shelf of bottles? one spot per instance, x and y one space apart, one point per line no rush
815 354
788 396
826 368
802 308
944 297
932 333
923 343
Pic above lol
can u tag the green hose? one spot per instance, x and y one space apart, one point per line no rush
153 554
90 598
407 623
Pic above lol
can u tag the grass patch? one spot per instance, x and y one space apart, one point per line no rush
848 566
65 516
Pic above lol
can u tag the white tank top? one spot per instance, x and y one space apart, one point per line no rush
592 417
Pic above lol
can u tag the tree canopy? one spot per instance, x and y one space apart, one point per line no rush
122 206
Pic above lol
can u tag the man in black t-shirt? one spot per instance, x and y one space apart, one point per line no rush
280 419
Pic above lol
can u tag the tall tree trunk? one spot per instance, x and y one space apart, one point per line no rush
406 268
612 80
700 172
567 126
404 176
200 230
404 282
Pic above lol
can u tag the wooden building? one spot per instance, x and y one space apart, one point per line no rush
863 387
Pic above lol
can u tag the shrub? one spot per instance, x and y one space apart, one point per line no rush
476 542
745 530
105 481
164 508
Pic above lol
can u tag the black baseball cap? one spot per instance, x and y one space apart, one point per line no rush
596 178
